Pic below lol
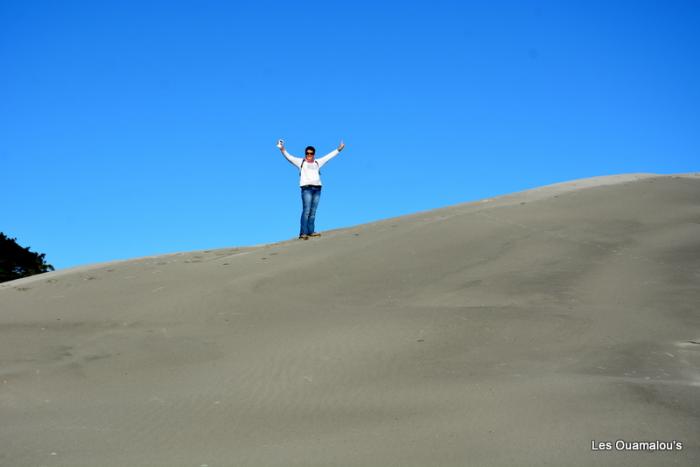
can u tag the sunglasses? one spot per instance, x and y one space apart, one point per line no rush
310 153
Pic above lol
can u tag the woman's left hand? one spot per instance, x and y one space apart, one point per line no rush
341 146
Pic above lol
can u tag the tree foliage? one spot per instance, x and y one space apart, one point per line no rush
17 261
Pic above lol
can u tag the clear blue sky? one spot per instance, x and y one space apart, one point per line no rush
132 128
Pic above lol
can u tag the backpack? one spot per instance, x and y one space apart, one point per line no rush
302 166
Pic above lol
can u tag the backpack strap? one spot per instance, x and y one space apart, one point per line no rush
304 160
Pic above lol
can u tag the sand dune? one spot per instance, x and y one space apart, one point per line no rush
510 331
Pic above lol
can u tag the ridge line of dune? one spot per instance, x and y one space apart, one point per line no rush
529 195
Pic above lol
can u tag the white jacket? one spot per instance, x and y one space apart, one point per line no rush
309 172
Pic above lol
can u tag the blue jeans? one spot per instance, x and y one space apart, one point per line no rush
310 195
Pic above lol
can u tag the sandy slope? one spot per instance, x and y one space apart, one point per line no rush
510 331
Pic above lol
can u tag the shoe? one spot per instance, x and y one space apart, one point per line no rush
315 234
303 237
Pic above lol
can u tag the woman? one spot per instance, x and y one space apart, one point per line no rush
310 183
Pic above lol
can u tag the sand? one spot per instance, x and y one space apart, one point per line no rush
518 330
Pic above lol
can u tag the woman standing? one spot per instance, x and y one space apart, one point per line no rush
310 183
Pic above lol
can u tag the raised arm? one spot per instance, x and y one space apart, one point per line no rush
331 154
295 161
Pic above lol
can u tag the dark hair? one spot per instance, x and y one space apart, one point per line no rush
310 148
